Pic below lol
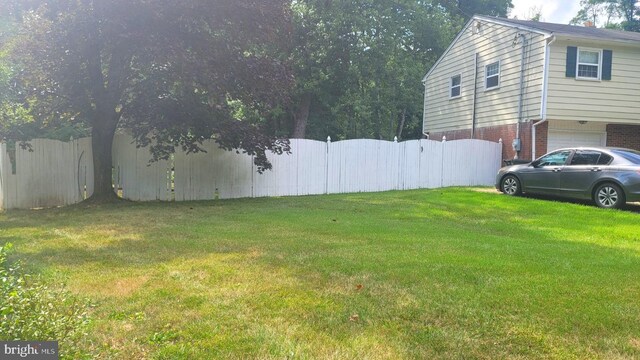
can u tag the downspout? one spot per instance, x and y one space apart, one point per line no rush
533 137
521 95
475 90
543 105
424 106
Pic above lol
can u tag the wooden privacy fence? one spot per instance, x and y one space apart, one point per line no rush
58 173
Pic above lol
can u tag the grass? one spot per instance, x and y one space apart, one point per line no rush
453 273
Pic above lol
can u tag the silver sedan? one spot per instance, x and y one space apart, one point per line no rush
608 176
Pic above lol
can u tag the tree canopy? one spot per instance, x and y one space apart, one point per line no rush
614 14
247 73
358 65
168 70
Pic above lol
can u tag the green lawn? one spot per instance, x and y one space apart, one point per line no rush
453 273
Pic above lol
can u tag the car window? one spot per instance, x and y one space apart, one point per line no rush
630 155
555 158
586 157
605 159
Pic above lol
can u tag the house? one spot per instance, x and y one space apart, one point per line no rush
537 86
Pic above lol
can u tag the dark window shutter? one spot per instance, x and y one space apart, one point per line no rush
572 59
607 57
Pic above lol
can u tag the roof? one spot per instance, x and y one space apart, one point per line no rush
551 29
573 30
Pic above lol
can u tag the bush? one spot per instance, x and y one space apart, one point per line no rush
33 311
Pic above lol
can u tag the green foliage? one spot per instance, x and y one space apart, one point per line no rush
166 335
163 69
359 64
31 310
610 14
18 122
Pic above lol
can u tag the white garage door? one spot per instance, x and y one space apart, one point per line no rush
557 139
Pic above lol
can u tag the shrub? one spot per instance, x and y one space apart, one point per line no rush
33 311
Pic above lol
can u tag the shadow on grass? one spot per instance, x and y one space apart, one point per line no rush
466 255
483 229
629 207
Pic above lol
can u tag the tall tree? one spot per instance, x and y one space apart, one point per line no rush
358 64
468 8
615 14
169 70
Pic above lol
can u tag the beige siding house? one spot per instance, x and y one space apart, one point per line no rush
537 86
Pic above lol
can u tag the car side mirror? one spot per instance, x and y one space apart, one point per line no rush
535 164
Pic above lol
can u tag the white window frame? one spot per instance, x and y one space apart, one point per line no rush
599 51
487 77
451 86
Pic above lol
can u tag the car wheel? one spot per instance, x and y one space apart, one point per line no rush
510 185
609 196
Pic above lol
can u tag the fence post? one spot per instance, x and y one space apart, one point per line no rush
399 171
326 167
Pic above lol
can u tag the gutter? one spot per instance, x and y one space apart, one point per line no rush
598 41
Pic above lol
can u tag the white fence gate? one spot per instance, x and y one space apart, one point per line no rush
57 173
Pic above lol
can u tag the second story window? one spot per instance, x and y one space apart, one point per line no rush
455 86
492 76
588 64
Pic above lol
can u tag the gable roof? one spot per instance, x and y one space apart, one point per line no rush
573 30
549 29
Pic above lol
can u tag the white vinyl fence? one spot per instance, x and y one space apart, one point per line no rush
58 173
50 173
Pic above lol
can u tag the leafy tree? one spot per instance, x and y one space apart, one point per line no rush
468 8
358 64
613 14
169 70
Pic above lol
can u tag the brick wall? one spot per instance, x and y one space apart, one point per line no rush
494 133
541 139
627 136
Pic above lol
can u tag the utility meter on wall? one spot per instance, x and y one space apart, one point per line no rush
516 144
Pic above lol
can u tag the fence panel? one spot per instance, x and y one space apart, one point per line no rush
303 172
362 165
431 164
57 173
282 179
139 178
469 162
212 174
409 165
311 166
47 173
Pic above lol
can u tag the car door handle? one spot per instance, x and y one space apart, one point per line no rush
556 169
596 169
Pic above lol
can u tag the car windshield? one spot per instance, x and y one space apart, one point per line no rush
630 155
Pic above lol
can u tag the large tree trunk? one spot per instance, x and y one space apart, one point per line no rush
301 116
102 135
